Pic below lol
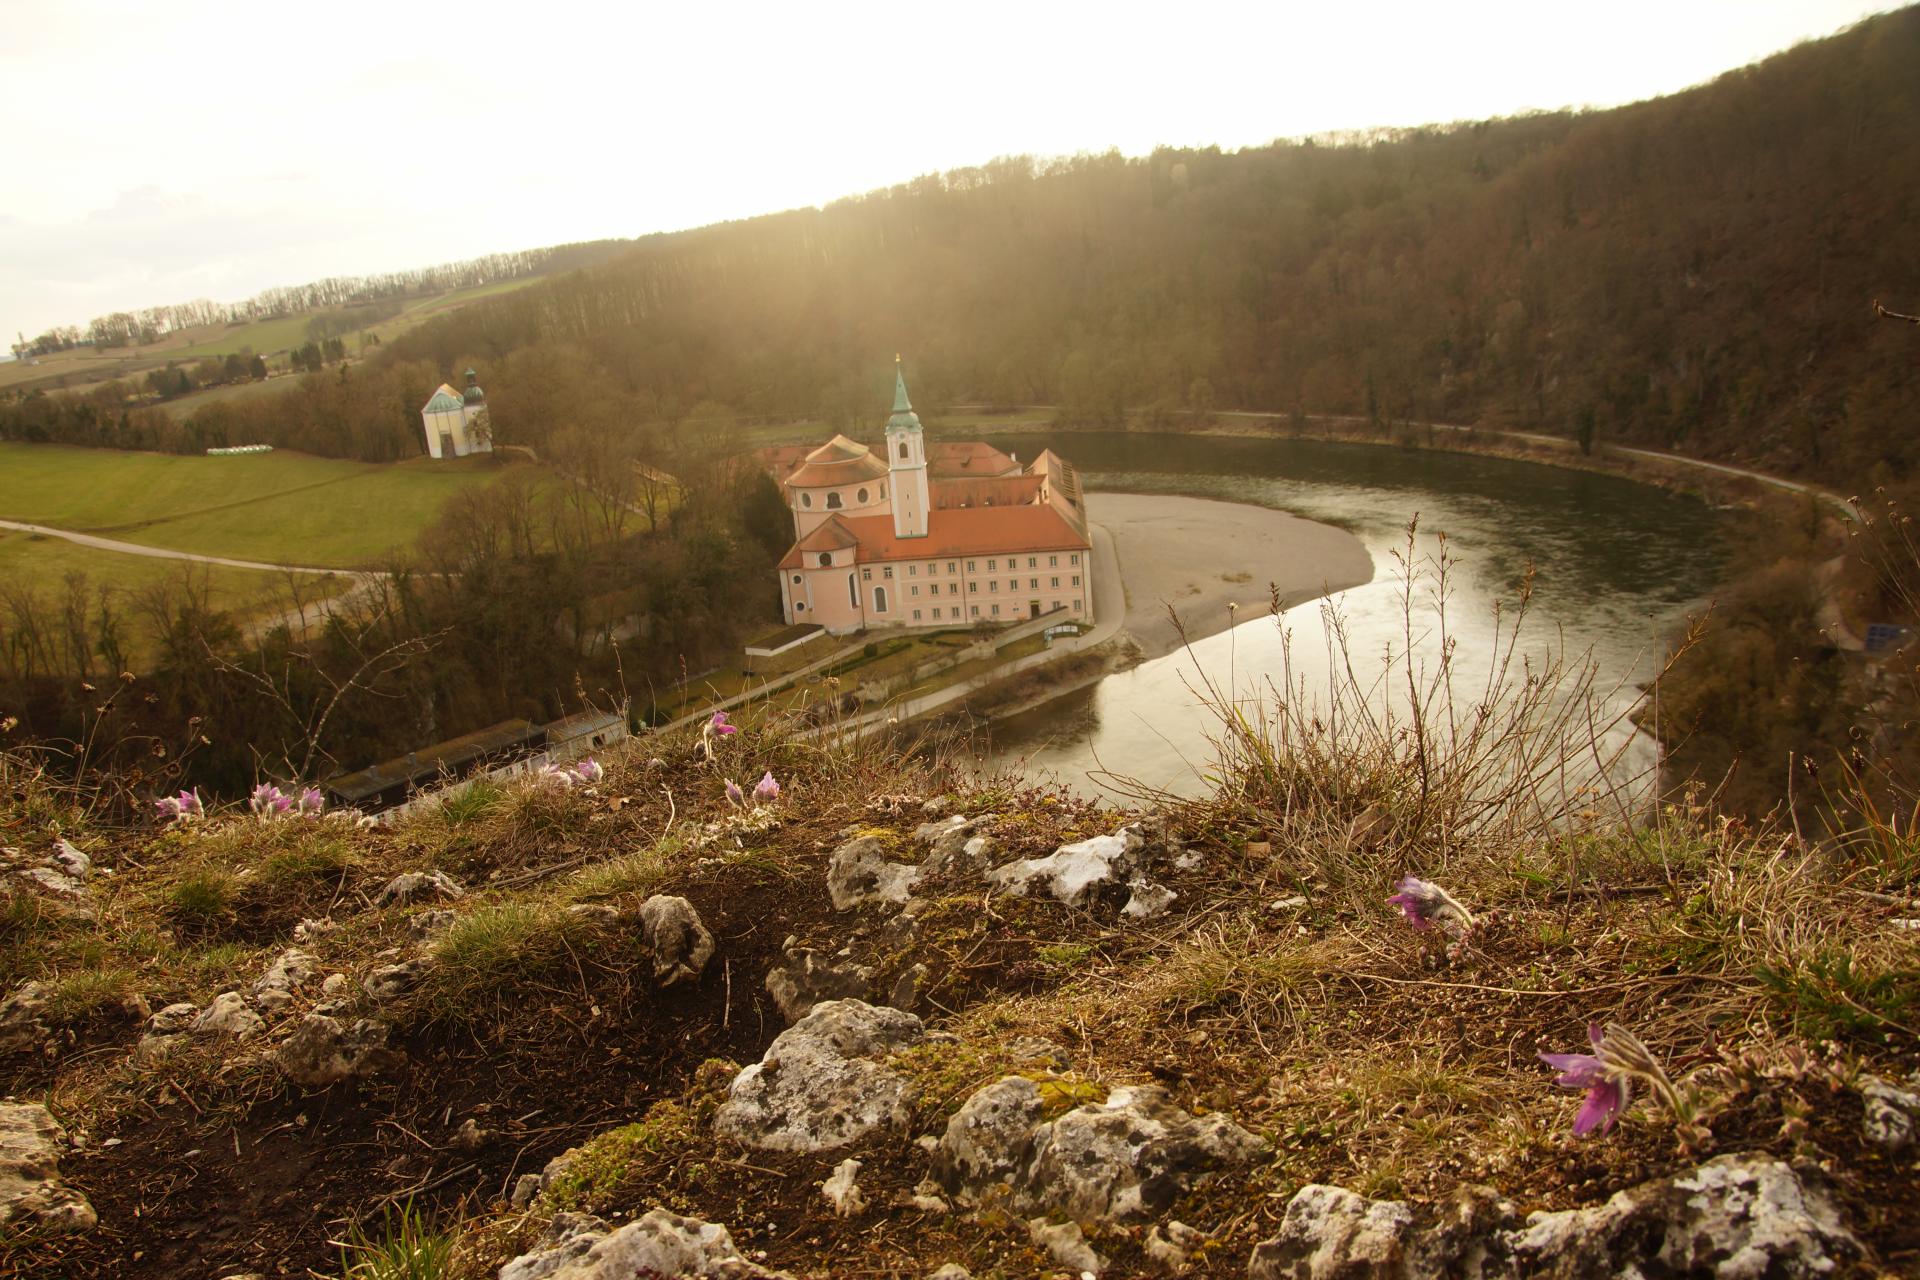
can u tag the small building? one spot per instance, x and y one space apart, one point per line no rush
391 782
574 736
956 534
456 422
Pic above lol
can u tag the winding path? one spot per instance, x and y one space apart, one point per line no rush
165 553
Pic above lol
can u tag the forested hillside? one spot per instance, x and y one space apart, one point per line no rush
1693 272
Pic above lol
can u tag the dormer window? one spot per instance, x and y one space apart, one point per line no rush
826 559
806 499
861 497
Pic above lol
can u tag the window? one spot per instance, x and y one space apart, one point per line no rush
969 566
806 499
826 558
950 566
833 500
973 588
953 588
913 571
853 592
887 571
932 569
866 575
1074 558
993 566
799 606
1033 562
861 496
916 615
883 493
994 586
1053 562
916 588
1033 584
879 599
796 579
976 611
1013 584
996 611
936 615
1076 606
903 448
1056 583
1076 579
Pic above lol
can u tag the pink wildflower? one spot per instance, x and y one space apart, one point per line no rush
589 770
311 804
1607 1095
766 789
268 801
734 794
1426 904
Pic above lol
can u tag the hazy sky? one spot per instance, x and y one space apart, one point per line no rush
157 152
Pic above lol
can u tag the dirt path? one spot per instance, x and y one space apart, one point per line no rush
164 553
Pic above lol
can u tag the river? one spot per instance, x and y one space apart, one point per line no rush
1617 567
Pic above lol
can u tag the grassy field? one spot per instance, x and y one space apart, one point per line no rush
279 507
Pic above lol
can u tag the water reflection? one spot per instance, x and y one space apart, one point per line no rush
1616 566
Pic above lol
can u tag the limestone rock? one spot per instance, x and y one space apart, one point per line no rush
334 984
1123 1160
1330 1233
905 991
1738 1217
1893 1115
31 1192
601 914
1073 871
989 1140
323 1051
411 885
391 981
228 1015
290 970
820 1085
955 845
1170 1246
859 873
173 1019
70 862
950 1271
677 937
55 881
1148 899
525 1188
427 924
805 980
1128 1158
20 1025
658 1243
1067 1244
840 1191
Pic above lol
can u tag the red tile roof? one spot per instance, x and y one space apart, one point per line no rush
975 531
955 458
998 491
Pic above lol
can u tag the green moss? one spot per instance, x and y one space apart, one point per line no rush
600 1168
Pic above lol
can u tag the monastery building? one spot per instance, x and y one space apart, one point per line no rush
952 534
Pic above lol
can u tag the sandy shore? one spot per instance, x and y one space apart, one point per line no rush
1197 556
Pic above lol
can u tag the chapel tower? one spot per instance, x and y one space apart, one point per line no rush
906 462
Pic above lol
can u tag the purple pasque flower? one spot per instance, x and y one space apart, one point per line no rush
589 770
1426 905
551 772
185 807
269 801
311 804
734 794
721 725
766 789
1608 1093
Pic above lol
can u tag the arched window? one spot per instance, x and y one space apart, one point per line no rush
806 499
861 497
833 500
826 558
853 592
903 448
796 579
879 599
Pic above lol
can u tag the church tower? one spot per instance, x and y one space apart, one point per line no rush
906 462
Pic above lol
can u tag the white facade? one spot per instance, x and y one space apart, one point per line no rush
457 424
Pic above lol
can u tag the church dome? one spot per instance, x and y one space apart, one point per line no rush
474 394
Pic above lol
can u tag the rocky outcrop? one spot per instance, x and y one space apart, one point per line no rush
229 1015
805 980
821 1085
955 845
1068 1246
32 1196
1737 1217
679 940
291 970
1122 1160
323 1051
859 873
1892 1114
1073 872
419 886
391 981
20 1024
658 1243
64 871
